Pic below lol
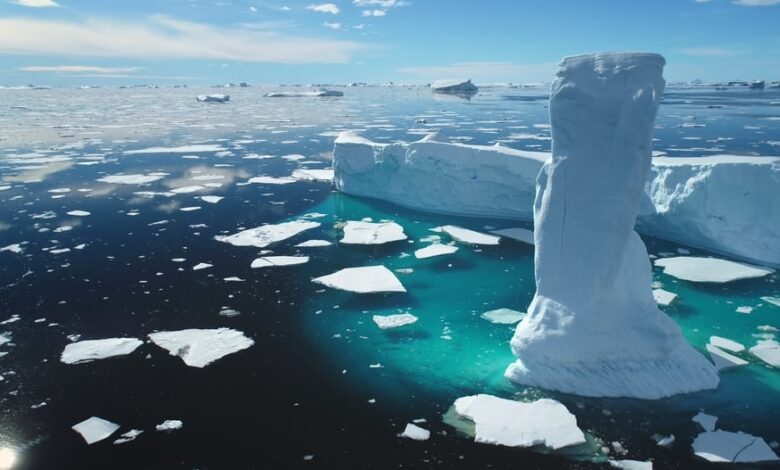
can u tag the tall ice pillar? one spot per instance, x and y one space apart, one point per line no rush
593 327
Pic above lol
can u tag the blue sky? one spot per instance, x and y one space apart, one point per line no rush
72 42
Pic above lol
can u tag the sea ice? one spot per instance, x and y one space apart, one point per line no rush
734 447
465 235
454 86
436 249
664 298
78 213
95 429
726 344
516 424
90 350
211 199
772 300
631 464
724 360
274 261
707 422
370 233
261 237
592 270
696 269
385 322
198 347
200 266
213 98
198 148
169 425
313 175
504 316
130 179
304 94
768 351
313 244
270 180
363 280
412 431
517 233
130 435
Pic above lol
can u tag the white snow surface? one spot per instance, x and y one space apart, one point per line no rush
261 237
385 322
725 446
696 269
370 233
592 270
516 424
363 280
90 350
95 429
198 347
314 244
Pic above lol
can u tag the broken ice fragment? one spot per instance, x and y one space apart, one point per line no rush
78 213
437 249
313 175
200 266
768 351
169 425
394 321
518 234
631 464
724 446
707 422
503 316
128 436
696 269
130 179
211 199
265 235
664 298
369 233
273 261
412 431
465 235
200 347
90 350
722 359
95 429
363 280
726 344
313 244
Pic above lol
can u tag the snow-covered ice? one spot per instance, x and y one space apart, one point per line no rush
631 464
436 249
472 237
735 447
90 350
130 435
663 297
767 350
169 425
95 429
363 280
592 270
304 94
726 344
370 233
274 261
412 431
313 244
201 266
200 347
516 424
78 213
261 237
504 316
307 174
722 359
385 322
696 269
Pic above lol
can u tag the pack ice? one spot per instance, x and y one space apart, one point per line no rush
90 350
592 270
261 237
199 348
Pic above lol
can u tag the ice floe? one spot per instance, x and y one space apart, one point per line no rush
135 179
313 174
707 422
370 233
436 249
517 233
95 429
734 447
197 148
201 347
724 360
412 431
768 351
726 344
130 435
261 237
503 316
313 244
664 297
200 266
363 280
472 237
169 425
78 213
90 350
695 269
631 464
213 98
274 261
271 180
385 322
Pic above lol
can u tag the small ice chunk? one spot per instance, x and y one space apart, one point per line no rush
78 213
707 422
394 321
517 424
666 441
744 309
504 316
274 261
517 233
130 179
233 279
724 360
200 347
270 180
213 98
211 199
265 235
412 431
187 189
631 464
437 249
363 280
95 429
13 248
768 351
200 266
128 436
664 298
726 344
313 244
313 175
90 350
694 269
465 235
370 233
169 425
772 300
733 447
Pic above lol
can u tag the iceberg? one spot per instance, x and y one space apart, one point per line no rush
694 269
95 429
199 348
213 98
261 237
274 261
733 447
385 322
370 233
592 270
365 280
515 424
129 436
454 86
90 350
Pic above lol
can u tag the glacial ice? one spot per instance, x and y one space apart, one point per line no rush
370 233
436 249
274 261
95 429
363 280
412 431
695 269
261 237
516 424
195 148
734 447
385 322
472 237
90 350
198 347
592 270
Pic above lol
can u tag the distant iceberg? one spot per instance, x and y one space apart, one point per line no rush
213 98
303 94
454 86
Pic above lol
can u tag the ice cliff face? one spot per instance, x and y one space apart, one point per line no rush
723 203
593 327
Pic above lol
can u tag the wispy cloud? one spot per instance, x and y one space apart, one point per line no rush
380 3
332 25
81 69
164 37
496 71
374 12
710 51
325 8
756 3
35 3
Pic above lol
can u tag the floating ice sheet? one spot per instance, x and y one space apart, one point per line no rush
465 235
90 350
724 360
412 431
504 316
436 249
363 280
169 425
394 321
313 174
314 244
199 347
265 235
130 179
724 446
95 429
517 233
768 351
726 344
695 269
664 298
274 261
370 233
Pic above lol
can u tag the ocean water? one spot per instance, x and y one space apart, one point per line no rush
322 386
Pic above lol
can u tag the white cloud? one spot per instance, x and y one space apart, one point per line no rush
486 71
756 3
709 51
78 69
332 25
374 13
702 1
325 8
36 3
379 3
163 37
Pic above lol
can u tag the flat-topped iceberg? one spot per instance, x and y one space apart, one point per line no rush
199 348
592 270
512 423
696 269
95 429
90 350
364 280
261 237
454 86
213 98
370 233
